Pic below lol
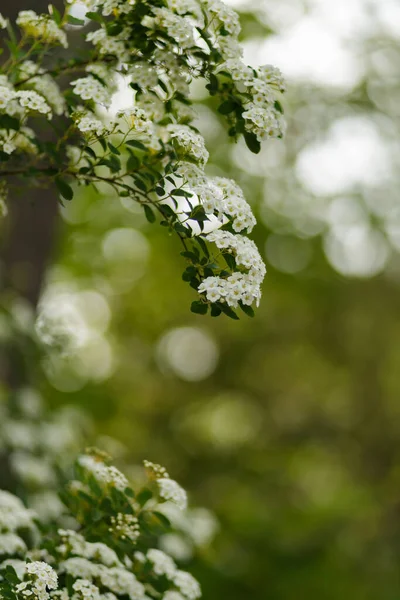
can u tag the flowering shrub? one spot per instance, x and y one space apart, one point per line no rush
109 550
152 152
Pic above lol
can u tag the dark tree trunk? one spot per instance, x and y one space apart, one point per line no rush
28 236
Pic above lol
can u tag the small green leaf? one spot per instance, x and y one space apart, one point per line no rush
94 16
64 188
248 310
149 214
74 21
215 310
140 184
198 307
227 107
144 496
252 142
113 149
228 311
230 260
136 144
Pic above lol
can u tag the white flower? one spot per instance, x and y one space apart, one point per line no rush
88 124
3 22
85 590
33 101
13 514
89 88
162 563
172 491
40 577
125 526
6 95
187 585
172 595
41 27
189 142
11 544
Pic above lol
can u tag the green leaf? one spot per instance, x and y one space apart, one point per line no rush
74 21
64 188
140 184
215 310
203 246
189 273
113 149
55 14
164 521
144 496
132 163
227 107
94 16
129 492
7 122
198 307
177 192
252 142
11 575
247 309
230 260
149 214
136 144
91 152
228 311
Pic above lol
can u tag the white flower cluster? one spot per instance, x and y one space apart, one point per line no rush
222 15
144 75
187 585
74 544
89 125
39 578
116 579
13 514
162 565
85 590
11 544
226 198
112 46
106 476
19 103
244 287
11 140
261 115
172 595
180 29
154 470
36 78
89 88
41 27
189 143
171 491
34 102
3 22
125 526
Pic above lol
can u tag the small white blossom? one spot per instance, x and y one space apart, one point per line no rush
89 88
41 27
187 585
162 563
172 491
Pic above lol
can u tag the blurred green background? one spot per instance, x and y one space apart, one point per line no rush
286 426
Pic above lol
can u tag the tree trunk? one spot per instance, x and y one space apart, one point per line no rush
28 235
